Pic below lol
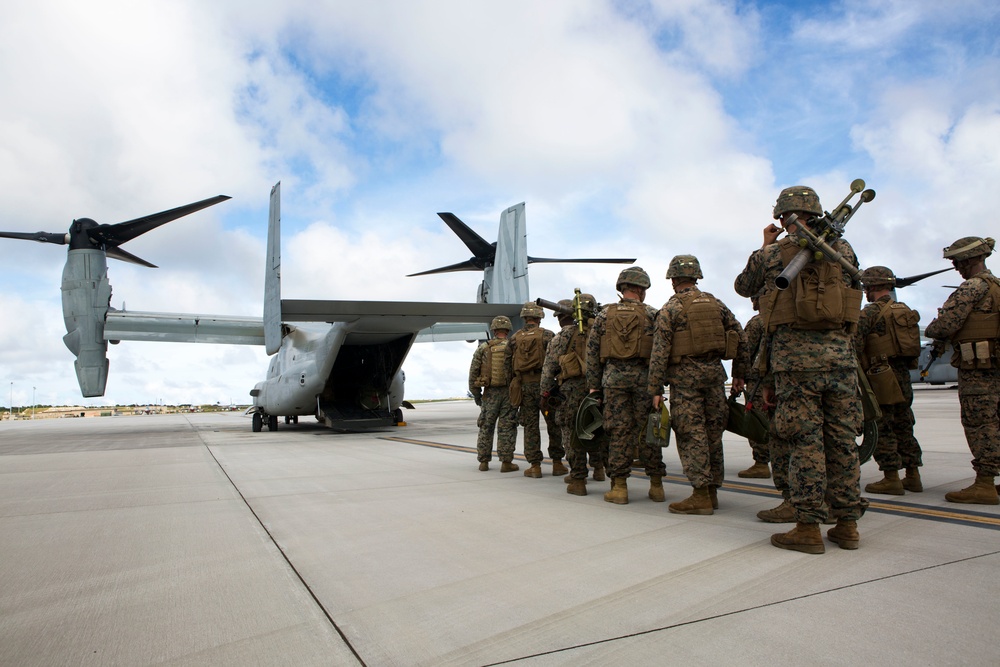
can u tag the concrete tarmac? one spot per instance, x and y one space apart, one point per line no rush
190 540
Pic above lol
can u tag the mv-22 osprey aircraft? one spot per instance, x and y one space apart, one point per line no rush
340 361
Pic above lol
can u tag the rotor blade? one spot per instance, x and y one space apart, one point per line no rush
461 266
906 282
548 260
473 241
115 235
125 256
41 237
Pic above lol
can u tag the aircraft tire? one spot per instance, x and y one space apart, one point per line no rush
258 422
272 423
288 419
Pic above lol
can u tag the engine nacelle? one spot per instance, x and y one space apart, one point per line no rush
86 297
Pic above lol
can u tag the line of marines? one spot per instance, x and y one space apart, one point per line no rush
803 357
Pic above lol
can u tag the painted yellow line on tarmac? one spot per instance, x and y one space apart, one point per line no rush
959 516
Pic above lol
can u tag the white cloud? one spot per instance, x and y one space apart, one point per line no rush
615 122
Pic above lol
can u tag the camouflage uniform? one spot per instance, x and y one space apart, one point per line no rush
754 331
528 411
897 447
495 409
626 401
574 390
698 409
978 388
818 410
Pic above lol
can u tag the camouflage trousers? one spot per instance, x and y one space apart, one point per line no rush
625 411
698 416
527 416
780 454
897 448
575 390
761 450
819 414
979 397
496 409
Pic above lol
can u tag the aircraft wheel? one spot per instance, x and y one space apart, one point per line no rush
258 422
397 415
295 419
272 423
288 420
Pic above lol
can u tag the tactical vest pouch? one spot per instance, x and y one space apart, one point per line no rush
705 333
515 392
570 366
732 344
906 329
626 336
822 301
976 354
495 376
885 385
529 350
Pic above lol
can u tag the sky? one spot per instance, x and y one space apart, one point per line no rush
647 129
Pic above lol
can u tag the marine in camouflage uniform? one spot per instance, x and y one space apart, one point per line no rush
969 319
694 332
818 410
897 448
563 376
528 407
490 391
622 379
761 451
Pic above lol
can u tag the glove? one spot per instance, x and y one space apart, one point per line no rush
478 398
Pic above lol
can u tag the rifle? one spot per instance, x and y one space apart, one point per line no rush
828 228
937 349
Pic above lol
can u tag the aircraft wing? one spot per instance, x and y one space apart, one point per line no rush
372 319
183 328
368 320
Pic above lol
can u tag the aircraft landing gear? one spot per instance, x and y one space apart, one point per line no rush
272 423
258 422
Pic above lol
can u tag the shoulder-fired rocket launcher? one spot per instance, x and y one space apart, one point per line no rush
816 235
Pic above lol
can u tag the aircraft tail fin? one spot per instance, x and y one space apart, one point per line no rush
508 280
272 275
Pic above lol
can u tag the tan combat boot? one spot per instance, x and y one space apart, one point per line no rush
558 468
599 475
889 485
713 493
805 537
576 487
619 491
699 502
982 492
484 465
534 470
783 513
912 480
845 533
508 466
756 471
656 489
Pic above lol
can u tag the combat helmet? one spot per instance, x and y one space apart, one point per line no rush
684 266
968 247
633 275
878 276
501 322
532 309
589 419
797 198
